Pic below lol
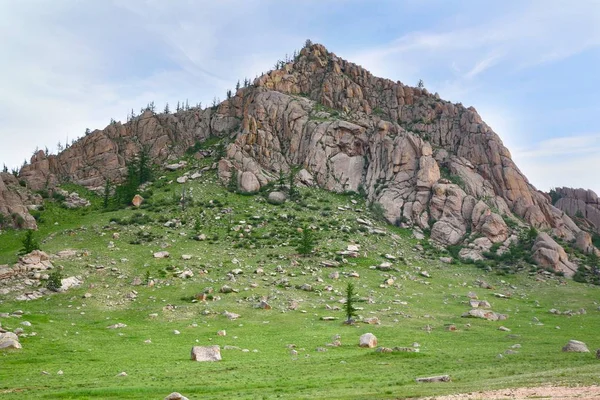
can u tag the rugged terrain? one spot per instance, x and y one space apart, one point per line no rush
141 286
413 199
428 163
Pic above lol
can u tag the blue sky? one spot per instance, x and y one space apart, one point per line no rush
529 67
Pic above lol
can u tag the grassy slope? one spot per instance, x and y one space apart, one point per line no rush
72 335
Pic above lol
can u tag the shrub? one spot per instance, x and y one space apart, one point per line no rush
54 281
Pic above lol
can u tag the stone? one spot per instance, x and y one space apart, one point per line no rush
176 396
440 378
367 340
137 200
231 315
549 254
182 179
249 183
485 314
9 340
276 198
206 353
371 321
264 305
575 346
68 283
221 333
161 254
117 326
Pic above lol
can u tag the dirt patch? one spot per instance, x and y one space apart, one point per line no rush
544 392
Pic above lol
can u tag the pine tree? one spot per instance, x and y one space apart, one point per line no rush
307 242
349 305
232 185
237 86
167 111
29 243
293 192
228 94
178 107
5 168
420 84
106 194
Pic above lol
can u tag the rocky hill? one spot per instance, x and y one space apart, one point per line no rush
427 162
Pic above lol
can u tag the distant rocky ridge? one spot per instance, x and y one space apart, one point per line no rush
428 162
579 203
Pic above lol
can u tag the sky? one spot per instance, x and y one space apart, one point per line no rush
529 67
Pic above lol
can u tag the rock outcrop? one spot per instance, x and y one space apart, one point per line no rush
426 161
549 254
15 202
579 203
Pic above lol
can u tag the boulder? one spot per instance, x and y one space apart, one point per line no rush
137 200
249 183
367 340
485 314
276 198
176 396
206 353
583 242
9 340
70 282
161 254
575 346
549 254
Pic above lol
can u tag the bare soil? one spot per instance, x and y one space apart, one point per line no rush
543 392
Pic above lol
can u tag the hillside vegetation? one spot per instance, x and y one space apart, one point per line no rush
232 253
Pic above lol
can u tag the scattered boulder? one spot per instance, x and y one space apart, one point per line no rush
117 326
161 254
9 340
276 198
441 378
549 254
575 346
176 396
137 200
68 283
368 340
485 314
206 353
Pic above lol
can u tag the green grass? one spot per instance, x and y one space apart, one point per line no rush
72 334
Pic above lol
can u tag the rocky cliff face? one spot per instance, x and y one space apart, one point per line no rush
14 202
426 161
579 203
103 154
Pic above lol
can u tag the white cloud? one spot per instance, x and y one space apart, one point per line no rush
565 161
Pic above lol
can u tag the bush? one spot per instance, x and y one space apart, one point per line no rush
54 281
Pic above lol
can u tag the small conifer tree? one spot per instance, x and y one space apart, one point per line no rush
307 242
29 243
350 300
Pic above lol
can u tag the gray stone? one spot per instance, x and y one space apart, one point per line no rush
206 353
